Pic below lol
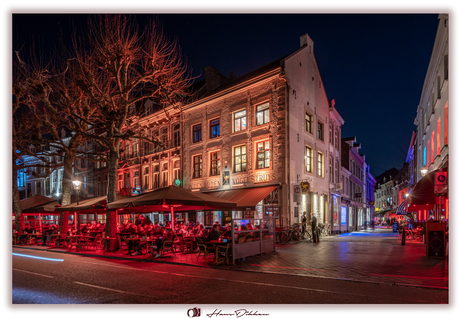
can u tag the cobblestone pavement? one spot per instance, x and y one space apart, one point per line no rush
364 256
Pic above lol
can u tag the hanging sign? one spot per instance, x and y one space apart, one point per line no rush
440 183
305 187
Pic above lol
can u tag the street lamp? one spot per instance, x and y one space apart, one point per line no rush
77 186
424 171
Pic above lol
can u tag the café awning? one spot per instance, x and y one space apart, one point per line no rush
90 205
245 198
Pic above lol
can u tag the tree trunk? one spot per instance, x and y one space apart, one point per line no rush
67 178
111 225
113 167
18 216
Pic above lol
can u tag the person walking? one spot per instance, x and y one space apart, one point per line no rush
304 223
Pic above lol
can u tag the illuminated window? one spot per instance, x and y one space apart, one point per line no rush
320 132
164 175
197 166
196 133
432 146
263 114
146 178
428 154
263 154
215 163
438 138
424 156
214 128
320 164
308 123
308 159
239 159
239 121
446 124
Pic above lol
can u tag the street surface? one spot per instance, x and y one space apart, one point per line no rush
330 277
83 280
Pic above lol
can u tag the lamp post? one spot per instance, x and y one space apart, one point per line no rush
77 186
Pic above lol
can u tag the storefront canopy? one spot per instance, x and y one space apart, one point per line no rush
179 198
90 205
245 197
423 191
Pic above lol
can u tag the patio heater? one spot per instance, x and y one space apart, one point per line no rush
77 187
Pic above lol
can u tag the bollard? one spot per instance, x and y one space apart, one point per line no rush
403 238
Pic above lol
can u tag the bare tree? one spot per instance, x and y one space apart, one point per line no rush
119 66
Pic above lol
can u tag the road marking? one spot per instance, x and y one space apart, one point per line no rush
20 270
304 269
111 289
38 257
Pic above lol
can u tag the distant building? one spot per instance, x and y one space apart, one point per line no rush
355 177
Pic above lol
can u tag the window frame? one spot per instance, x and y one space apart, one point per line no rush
308 159
214 163
240 120
264 152
197 172
265 113
320 163
320 131
243 162
214 129
199 132
308 123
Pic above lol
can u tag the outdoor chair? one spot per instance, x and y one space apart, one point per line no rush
168 246
185 245
71 242
204 248
223 254
123 243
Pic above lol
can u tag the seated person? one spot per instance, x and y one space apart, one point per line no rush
28 230
142 234
127 232
214 234
228 231
47 235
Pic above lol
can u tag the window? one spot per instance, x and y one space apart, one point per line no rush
127 184
136 179
446 123
197 133
330 169
263 154
120 182
239 121
176 170
176 135
146 178
446 67
308 159
308 123
156 180
330 133
320 164
164 175
432 146
215 163
337 139
320 134
214 128
197 166
239 159
164 138
438 138
262 114
21 178
336 173
424 156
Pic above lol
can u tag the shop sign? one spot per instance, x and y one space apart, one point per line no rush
305 187
440 183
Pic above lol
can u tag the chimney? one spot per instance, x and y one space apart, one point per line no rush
213 78
306 40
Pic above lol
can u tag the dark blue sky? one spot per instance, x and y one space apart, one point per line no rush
373 65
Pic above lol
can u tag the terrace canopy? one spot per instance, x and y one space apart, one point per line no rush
172 199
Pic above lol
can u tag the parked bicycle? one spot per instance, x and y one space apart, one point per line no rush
291 233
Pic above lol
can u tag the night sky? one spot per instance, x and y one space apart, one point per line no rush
373 65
